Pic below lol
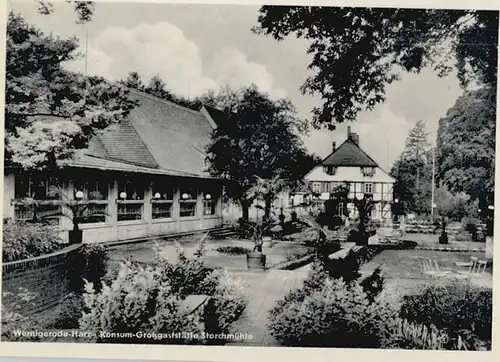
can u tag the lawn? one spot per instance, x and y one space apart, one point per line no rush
429 240
402 270
276 253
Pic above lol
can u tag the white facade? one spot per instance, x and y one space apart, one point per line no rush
350 166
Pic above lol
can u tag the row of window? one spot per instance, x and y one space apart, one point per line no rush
97 212
327 187
131 193
39 188
366 171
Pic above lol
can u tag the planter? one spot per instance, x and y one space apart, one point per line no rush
443 238
75 236
256 261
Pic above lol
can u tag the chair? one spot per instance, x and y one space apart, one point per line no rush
430 267
473 265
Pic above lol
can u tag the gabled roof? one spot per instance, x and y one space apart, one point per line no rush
159 136
349 154
121 142
217 116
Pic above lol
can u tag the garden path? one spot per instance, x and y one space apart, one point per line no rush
265 289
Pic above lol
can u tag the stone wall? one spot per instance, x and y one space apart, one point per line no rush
34 285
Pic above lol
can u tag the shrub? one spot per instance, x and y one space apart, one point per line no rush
410 335
335 314
226 305
149 297
297 254
373 285
13 322
233 250
346 268
461 310
88 263
69 312
139 299
23 240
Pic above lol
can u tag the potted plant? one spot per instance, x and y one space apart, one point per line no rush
75 210
364 207
264 190
443 237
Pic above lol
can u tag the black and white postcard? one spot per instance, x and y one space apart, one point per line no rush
193 179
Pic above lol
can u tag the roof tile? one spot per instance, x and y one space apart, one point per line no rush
349 154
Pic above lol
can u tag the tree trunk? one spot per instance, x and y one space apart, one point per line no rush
245 206
267 207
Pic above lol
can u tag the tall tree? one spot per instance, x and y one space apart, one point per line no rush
413 172
416 147
357 52
260 140
466 146
49 111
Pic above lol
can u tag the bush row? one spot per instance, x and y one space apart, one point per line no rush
340 310
149 297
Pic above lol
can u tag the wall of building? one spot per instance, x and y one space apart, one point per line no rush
352 174
114 230
8 195
33 285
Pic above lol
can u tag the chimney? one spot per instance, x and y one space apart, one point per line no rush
334 146
355 138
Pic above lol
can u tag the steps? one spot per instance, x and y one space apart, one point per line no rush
224 232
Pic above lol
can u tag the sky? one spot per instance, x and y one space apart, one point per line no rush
199 47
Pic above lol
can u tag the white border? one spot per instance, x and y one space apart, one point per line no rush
251 354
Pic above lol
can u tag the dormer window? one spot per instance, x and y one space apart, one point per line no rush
368 171
329 170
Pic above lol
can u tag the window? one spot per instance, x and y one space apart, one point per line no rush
162 210
96 189
330 170
188 201
325 187
36 187
316 187
340 209
368 188
131 199
163 200
368 171
209 203
95 212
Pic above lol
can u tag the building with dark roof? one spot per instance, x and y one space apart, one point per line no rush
349 165
146 176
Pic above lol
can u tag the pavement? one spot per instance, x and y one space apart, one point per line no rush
266 289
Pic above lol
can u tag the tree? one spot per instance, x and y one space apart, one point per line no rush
413 172
49 111
364 207
157 88
466 147
133 81
261 139
84 9
416 146
357 52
